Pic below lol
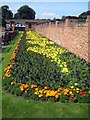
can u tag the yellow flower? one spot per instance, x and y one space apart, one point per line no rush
21 88
72 87
45 87
60 89
70 92
33 86
40 95
36 93
56 96
13 83
40 91
36 89
52 93
64 70
77 89
76 84
66 91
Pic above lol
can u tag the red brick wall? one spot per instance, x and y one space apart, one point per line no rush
72 36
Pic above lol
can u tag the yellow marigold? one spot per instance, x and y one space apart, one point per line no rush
13 83
7 74
77 89
45 87
21 88
36 89
72 87
36 93
33 86
76 84
48 93
56 96
40 91
40 95
60 89
66 91
70 92
56 92
65 70
26 86
5 69
52 93
45 91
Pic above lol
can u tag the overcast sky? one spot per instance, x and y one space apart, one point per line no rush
50 9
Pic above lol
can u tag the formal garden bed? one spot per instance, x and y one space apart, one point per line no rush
41 70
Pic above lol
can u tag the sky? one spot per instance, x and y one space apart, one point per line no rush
50 9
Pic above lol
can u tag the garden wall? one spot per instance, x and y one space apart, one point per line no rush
71 35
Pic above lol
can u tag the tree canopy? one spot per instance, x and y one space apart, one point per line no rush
84 14
6 14
25 12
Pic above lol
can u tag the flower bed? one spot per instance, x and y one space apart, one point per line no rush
41 70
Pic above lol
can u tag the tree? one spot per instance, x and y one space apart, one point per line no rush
63 18
25 12
6 14
84 15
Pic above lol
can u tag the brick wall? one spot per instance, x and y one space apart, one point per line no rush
70 34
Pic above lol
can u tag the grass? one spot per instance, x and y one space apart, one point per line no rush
14 107
7 52
18 107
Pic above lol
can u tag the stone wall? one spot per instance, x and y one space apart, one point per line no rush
71 35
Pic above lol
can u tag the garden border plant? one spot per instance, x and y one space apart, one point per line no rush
41 70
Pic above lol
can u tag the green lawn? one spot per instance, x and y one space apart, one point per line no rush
7 52
17 107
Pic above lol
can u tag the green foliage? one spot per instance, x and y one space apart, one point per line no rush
25 12
6 14
84 15
34 68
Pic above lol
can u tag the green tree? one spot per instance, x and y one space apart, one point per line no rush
6 14
25 12
84 15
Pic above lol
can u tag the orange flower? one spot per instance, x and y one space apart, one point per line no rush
21 88
23 85
7 73
66 91
10 65
26 91
13 56
36 89
26 86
